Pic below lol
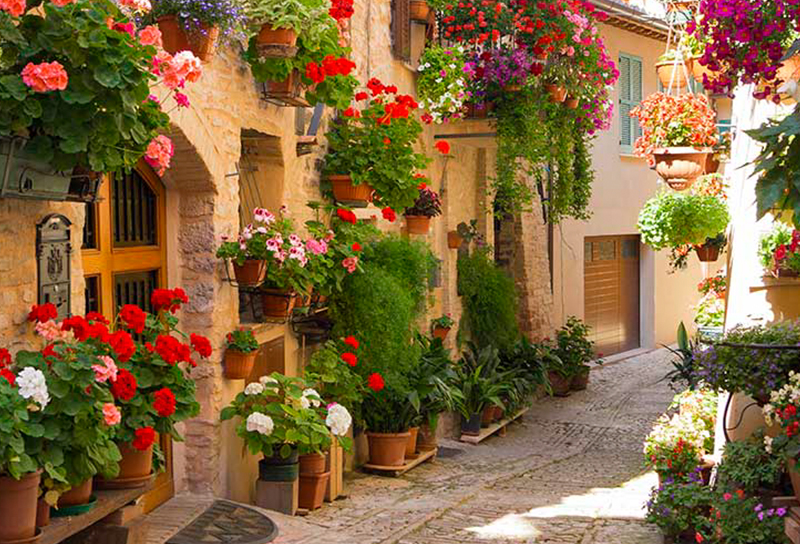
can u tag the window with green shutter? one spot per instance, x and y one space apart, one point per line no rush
630 94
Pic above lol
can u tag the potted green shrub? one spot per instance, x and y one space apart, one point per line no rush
280 22
575 350
389 411
779 251
434 381
440 327
481 386
427 206
747 465
371 149
241 349
680 509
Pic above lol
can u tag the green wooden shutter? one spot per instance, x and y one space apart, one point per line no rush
630 94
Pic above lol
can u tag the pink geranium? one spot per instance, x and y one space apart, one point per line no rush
177 70
45 77
107 371
111 414
159 153
14 7
150 35
317 247
350 263
51 331
182 100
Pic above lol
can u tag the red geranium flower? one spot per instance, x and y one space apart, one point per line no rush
172 350
49 352
144 438
5 358
346 216
201 345
375 382
350 358
443 147
356 246
352 342
169 300
361 96
124 387
78 325
389 214
164 403
122 344
43 313
8 375
96 317
134 317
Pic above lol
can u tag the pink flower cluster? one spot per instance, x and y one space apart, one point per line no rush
176 71
136 5
159 153
317 247
111 414
45 77
350 264
107 371
150 35
13 7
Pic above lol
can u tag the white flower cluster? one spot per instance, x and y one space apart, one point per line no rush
787 395
254 388
668 431
338 420
768 444
32 385
448 103
267 380
260 423
310 398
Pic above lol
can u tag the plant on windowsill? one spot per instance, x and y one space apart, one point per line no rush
427 206
196 25
779 251
677 134
241 350
372 148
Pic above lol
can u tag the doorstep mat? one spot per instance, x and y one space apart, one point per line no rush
229 523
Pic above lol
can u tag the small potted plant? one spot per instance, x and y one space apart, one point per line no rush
279 23
674 70
779 251
574 349
246 253
680 508
743 518
195 25
678 133
441 326
241 349
442 84
426 206
388 414
709 251
476 377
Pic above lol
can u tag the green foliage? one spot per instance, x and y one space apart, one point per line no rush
439 95
334 379
778 165
490 302
433 380
103 120
684 373
747 465
780 235
526 364
573 347
679 506
672 219
393 409
480 380
241 340
410 262
745 520
18 425
302 16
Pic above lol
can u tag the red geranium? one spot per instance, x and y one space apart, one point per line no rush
350 358
352 342
124 387
341 9
50 352
375 382
96 317
8 375
346 216
169 300
5 358
134 317
201 345
172 350
361 96
78 326
443 147
43 313
144 438
122 344
356 247
164 403
389 214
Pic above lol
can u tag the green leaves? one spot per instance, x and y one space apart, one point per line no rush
672 219
107 76
12 85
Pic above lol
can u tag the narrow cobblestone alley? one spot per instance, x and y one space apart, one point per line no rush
569 472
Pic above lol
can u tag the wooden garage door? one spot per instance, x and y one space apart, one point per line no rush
611 292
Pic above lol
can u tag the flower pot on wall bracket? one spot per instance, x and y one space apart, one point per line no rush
239 365
571 103
290 88
680 166
419 11
18 505
707 254
277 303
418 224
441 332
357 196
201 41
276 42
251 273
557 92
454 239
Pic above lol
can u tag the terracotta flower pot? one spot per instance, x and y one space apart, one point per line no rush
670 72
557 92
387 449
290 87
712 164
480 111
560 385
80 494
707 254
471 426
498 413
202 42
419 11
345 191
698 71
277 303
251 273
18 505
512 88
454 239
680 166
239 365
135 469
312 463
42 513
411 444
571 103
427 436
441 332
311 492
487 416
580 381
276 42
418 224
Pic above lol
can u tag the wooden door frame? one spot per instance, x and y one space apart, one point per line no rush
106 261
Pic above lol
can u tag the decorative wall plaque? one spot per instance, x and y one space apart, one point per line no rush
53 251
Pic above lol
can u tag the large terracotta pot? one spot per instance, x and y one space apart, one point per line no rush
672 73
288 88
135 469
311 491
345 191
441 332
276 42
18 503
454 239
175 39
239 365
427 436
42 513
277 303
411 444
418 224
557 92
387 449
80 494
419 11
312 463
580 381
680 166
251 273
707 254
560 385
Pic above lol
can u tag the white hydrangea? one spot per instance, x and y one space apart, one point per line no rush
338 420
254 388
310 398
32 385
267 380
260 423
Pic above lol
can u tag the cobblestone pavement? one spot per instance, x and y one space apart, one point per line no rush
569 472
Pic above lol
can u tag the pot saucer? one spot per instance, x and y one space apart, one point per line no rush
35 538
123 483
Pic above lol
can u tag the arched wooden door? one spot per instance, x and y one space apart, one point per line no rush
124 260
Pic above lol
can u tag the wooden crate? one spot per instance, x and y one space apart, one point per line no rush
334 463
491 429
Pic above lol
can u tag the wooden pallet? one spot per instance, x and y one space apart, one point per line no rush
491 429
426 453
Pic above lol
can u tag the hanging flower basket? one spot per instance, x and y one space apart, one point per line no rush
419 11
680 166
344 191
672 74
707 254
202 42
277 303
418 224
276 42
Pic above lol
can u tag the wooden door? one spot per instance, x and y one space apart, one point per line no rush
611 292
124 260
